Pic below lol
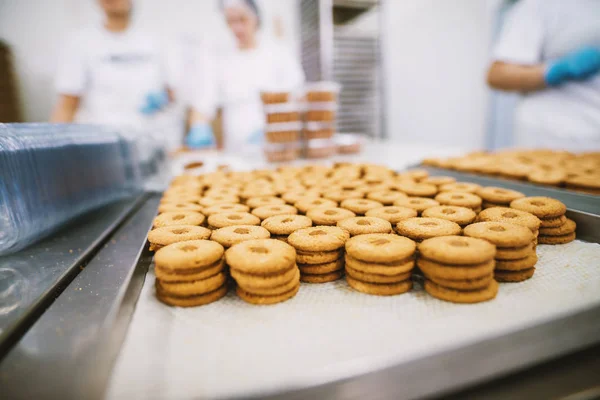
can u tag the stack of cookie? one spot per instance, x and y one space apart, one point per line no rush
380 264
190 273
265 271
420 228
555 228
458 269
281 226
320 253
515 250
512 216
497 197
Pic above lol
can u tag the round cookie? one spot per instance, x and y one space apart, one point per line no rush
286 287
424 228
329 215
554 177
219 199
386 197
284 225
341 195
166 235
191 274
376 278
360 206
417 189
224 208
461 215
363 225
439 180
380 289
318 257
457 250
467 284
190 301
541 207
261 256
459 296
322 278
393 214
502 234
510 215
179 206
517 265
193 288
265 212
461 199
416 174
319 238
513 276
188 257
178 218
264 299
230 235
455 272
380 248
319 269
498 196
305 204
259 201
222 220
254 282
562 239
292 196
460 187
553 222
418 204
388 269
568 227
514 253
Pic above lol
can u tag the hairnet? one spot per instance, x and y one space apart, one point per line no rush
250 4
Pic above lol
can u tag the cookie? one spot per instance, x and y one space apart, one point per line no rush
360 206
318 257
286 287
329 215
455 272
541 207
393 214
184 260
487 204
322 278
461 199
553 222
380 289
510 215
341 195
363 225
224 208
517 265
568 227
387 269
325 268
513 276
262 256
180 198
562 239
418 204
498 196
466 284
457 250
283 225
266 299
165 274
416 174
386 197
265 212
178 218
553 177
190 301
256 282
193 288
424 228
514 253
417 189
179 206
230 235
461 215
460 187
160 237
292 196
502 234
222 220
219 199
319 238
439 180
254 202
305 204
380 248
460 296
376 278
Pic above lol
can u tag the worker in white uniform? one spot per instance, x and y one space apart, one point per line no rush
236 77
112 74
549 50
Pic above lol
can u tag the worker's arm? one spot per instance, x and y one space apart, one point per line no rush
514 77
65 109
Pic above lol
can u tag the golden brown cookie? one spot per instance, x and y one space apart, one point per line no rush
178 218
393 214
322 278
360 206
419 229
318 257
363 225
341 195
292 196
461 199
461 215
230 235
502 234
457 250
460 296
319 238
513 276
222 220
460 187
562 239
190 301
376 278
225 207
552 177
416 174
455 272
254 202
329 215
514 253
305 204
380 248
419 204
541 207
568 227
439 180
325 268
386 197
256 282
388 269
165 274
261 257
265 212
466 284
185 261
283 225
498 196
179 206
417 189
193 288
166 235
553 222
510 215
266 299
218 199
380 289
286 287
517 265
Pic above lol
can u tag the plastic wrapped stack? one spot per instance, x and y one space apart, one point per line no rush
320 117
283 126
52 173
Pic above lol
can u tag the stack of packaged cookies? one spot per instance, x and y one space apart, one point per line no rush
319 253
555 227
283 126
458 269
380 264
319 127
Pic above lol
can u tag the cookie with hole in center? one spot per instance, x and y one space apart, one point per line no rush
386 197
455 272
517 265
501 234
560 239
460 187
376 278
363 225
193 288
379 289
225 208
230 235
329 216
261 257
419 228
341 195
283 225
322 278
324 268
439 180
178 218
498 195
513 276
553 222
265 212
457 250
393 214
419 204
462 296
222 220
160 237
461 199
259 201
514 253
417 189
305 204
541 207
179 206
568 227
461 215
319 238
360 206
380 248
465 284
218 199
387 269
188 261
190 301
259 299
510 215
318 257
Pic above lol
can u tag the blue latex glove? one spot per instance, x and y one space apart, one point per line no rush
257 137
200 136
578 65
155 102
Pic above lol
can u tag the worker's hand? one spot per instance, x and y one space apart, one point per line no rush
155 102
575 66
200 136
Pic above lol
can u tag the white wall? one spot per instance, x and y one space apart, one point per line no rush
436 55
36 30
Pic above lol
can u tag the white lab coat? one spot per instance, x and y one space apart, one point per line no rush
540 31
233 79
